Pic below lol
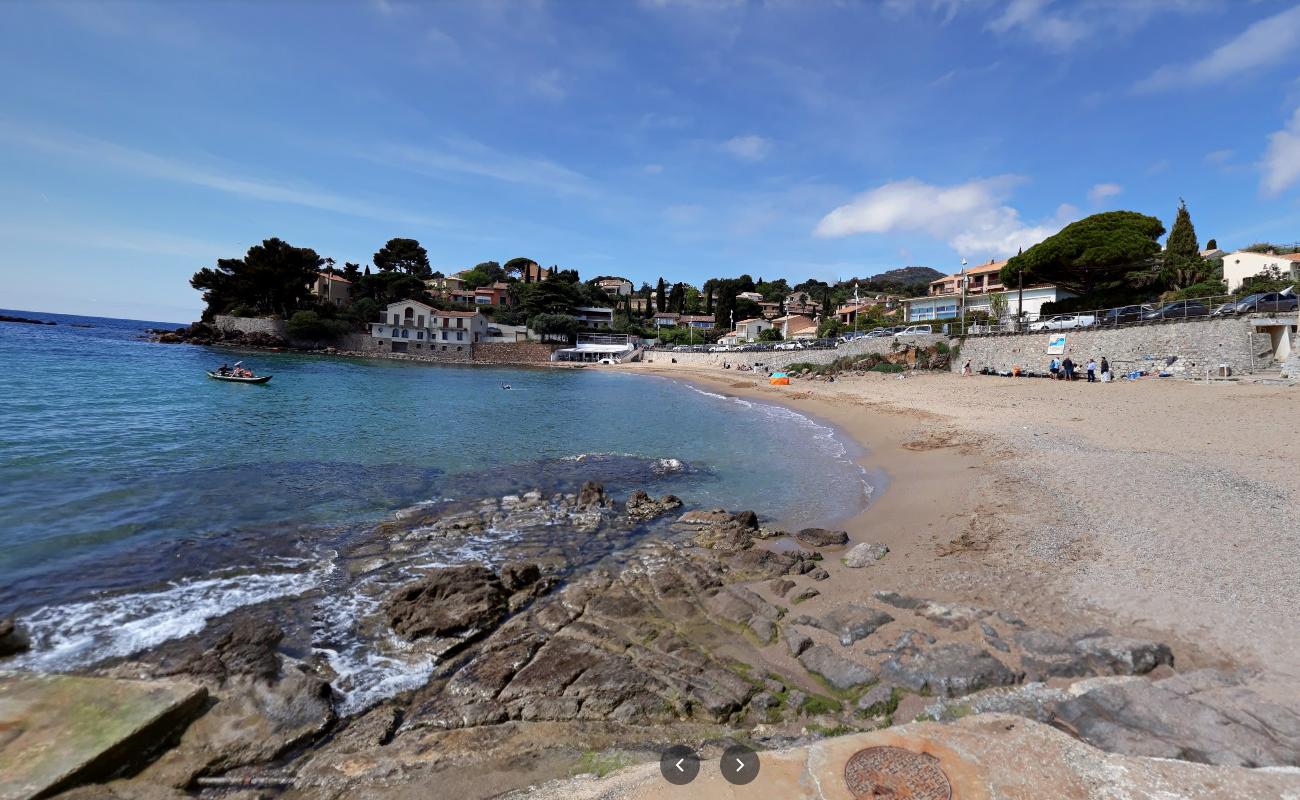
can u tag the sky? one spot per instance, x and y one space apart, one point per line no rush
686 139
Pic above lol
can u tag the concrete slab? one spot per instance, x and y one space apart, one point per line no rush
985 757
57 731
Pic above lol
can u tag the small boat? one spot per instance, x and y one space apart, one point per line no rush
233 379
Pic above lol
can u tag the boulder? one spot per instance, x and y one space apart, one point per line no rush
835 669
850 623
804 594
821 537
448 601
1119 655
876 700
699 518
747 520
12 639
726 538
797 641
780 586
864 554
948 669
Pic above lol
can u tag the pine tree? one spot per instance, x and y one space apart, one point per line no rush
1182 236
1183 265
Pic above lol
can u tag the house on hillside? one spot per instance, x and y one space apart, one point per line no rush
770 310
747 330
848 313
666 319
495 295
615 287
1243 264
796 326
410 326
332 289
532 272
755 296
700 322
802 303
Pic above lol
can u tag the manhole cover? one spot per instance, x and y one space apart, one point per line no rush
895 773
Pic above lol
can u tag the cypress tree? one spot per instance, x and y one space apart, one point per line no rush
1182 236
659 296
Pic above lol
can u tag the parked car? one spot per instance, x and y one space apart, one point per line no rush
1179 309
880 332
720 348
1063 322
790 345
1265 302
915 330
1124 315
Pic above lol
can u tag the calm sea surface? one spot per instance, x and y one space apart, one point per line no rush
124 470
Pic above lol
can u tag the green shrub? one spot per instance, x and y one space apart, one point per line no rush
885 366
310 325
821 704
243 311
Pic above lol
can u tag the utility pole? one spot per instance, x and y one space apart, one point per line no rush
1020 299
962 280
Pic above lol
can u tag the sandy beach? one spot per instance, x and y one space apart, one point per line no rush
1158 508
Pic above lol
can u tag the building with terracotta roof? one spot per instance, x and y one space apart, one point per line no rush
498 294
944 298
332 289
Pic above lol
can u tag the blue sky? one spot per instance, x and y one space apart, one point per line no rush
682 138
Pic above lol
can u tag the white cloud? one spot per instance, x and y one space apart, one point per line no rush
1281 164
1032 18
750 148
469 157
1099 193
1263 44
139 162
972 217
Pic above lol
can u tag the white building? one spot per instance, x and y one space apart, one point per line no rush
1243 264
410 326
594 317
940 307
796 326
747 330
615 287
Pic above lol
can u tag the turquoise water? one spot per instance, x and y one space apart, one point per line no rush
123 468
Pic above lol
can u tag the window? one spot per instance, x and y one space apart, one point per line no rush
408 314
419 335
458 349
406 334
460 322
460 337
397 320
394 333
419 321
444 336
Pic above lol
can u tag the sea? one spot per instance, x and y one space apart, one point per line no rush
141 500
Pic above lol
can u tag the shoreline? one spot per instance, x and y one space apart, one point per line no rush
975 519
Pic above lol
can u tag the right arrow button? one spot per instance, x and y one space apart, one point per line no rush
739 765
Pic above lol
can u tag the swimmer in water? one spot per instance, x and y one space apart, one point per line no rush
505 386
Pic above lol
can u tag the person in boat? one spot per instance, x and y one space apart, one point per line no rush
224 369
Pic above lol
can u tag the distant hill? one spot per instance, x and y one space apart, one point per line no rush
907 281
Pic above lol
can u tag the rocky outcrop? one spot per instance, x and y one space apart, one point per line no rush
841 673
1207 716
592 496
12 639
641 506
449 601
849 623
247 649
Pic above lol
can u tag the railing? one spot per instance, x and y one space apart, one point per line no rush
1214 307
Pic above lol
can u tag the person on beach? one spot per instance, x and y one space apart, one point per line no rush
1105 370
1067 367
1054 367
965 370
1092 370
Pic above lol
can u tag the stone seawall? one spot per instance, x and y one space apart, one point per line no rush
1193 344
514 352
779 359
248 325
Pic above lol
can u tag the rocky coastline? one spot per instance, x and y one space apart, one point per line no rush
623 641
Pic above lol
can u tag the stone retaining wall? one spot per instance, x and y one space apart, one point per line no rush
1195 344
246 325
779 359
514 352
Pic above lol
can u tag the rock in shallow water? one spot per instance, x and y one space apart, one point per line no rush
12 639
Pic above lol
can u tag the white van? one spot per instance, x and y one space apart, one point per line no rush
915 330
